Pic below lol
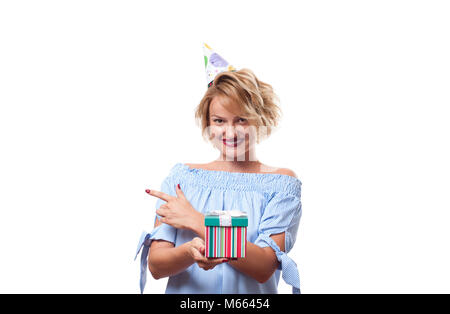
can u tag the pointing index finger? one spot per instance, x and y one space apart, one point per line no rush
159 194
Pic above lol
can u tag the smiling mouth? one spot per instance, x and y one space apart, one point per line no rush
233 142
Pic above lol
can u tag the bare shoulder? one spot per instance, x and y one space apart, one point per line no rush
277 170
288 172
196 166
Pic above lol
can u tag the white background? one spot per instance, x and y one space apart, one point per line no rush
97 103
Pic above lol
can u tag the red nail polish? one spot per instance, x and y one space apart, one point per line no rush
148 191
179 186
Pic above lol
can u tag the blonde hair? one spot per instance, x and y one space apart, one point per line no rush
257 99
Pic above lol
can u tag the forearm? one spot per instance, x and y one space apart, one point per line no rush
198 225
169 261
259 263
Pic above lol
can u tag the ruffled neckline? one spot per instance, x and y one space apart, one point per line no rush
264 182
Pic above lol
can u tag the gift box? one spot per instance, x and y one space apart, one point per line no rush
226 234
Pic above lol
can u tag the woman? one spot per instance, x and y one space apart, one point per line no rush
236 111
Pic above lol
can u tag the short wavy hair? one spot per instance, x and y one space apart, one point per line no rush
256 99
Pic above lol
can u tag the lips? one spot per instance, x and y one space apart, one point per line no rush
232 142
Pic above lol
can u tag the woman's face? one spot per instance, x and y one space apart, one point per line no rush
230 132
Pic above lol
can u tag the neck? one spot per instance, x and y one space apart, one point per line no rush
247 161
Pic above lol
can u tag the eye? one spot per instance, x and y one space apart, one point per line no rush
218 120
242 120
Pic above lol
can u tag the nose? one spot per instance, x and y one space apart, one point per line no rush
230 132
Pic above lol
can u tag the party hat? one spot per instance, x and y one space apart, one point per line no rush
214 64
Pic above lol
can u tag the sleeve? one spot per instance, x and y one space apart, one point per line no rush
282 214
162 232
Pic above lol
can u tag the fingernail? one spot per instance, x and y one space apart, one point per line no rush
226 260
179 186
148 191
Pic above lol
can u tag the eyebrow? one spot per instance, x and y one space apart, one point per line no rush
214 115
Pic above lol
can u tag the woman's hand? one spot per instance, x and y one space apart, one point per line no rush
177 212
197 251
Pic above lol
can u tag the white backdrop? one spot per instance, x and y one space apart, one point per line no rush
97 103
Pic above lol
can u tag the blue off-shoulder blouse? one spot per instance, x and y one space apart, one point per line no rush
272 202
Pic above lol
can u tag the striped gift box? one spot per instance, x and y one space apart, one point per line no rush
226 234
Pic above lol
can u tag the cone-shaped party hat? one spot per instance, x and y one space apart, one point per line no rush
214 64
